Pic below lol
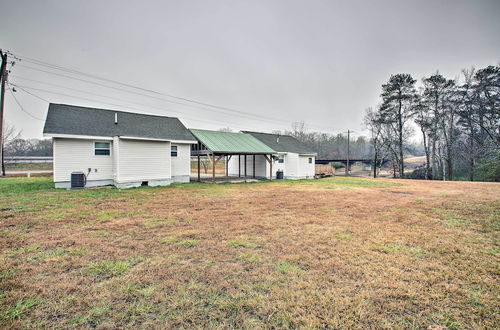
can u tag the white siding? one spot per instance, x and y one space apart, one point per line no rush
71 155
181 165
291 170
306 169
294 167
261 169
143 160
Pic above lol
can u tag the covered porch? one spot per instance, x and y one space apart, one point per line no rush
220 147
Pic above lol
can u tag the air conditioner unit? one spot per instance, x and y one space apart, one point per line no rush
78 180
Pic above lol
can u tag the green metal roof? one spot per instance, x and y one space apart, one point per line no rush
227 142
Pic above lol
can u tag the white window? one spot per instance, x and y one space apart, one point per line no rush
310 160
281 159
173 151
102 148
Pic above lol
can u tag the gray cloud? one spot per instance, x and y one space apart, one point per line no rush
321 62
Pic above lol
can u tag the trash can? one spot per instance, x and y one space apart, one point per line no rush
279 175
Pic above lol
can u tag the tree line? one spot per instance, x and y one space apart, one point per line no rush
458 121
15 145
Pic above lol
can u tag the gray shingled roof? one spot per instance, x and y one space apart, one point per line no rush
286 143
75 120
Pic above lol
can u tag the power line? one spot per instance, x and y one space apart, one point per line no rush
21 107
42 63
120 99
23 88
38 97
73 71
149 96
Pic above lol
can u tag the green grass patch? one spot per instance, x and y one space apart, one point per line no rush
493 251
189 243
169 240
108 269
20 309
6 274
398 248
343 235
250 258
289 268
93 318
101 233
108 215
241 243
158 222
14 186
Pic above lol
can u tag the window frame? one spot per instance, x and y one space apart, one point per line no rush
108 148
281 159
310 160
172 152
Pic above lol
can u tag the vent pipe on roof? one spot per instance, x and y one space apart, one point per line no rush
116 118
278 139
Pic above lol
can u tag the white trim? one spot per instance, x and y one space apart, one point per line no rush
308 155
84 137
184 141
109 138
141 138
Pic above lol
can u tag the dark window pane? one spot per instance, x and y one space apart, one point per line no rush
102 152
102 145
173 154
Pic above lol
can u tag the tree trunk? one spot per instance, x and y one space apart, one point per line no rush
427 156
471 153
400 128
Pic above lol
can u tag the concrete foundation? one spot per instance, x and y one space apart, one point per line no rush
90 184
180 178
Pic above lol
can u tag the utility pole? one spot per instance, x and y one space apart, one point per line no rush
348 147
3 77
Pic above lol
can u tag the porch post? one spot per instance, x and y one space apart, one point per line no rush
254 166
270 167
227 166
245 157
199 168
213 167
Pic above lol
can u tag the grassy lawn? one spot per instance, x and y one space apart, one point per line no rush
28 166
337 252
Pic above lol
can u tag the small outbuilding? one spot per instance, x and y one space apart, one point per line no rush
123 149
292 157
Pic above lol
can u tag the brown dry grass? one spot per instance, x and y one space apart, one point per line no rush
338 252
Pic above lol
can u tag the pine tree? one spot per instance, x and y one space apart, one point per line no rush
398 99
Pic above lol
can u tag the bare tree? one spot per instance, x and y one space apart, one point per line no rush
374 124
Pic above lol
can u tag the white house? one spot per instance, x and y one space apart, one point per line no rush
291 156
117 148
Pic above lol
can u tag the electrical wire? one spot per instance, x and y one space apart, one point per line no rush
73 71
23 88
120 99
149 96
21 107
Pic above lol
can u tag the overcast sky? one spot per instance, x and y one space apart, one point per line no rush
321 62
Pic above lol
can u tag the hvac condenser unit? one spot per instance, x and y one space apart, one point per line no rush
78 180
